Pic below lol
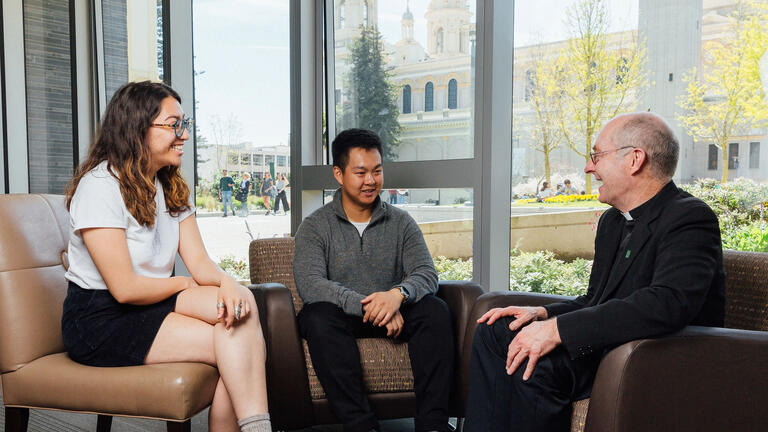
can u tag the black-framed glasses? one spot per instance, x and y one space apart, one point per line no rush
179 126
595 158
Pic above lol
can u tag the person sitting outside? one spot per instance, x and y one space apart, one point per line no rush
568 189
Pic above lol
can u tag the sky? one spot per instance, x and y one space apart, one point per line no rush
242 54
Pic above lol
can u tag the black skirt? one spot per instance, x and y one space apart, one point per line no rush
99 331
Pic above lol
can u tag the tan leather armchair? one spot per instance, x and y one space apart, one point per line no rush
296 398
35 372
699 379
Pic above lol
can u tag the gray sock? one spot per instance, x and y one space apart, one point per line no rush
255 423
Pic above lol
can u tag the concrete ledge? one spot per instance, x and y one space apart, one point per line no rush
568 234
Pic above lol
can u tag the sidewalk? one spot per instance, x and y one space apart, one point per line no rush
229 235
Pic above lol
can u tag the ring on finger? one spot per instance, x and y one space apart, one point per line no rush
238 310
220 305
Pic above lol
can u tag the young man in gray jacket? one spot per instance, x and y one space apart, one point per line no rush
363 270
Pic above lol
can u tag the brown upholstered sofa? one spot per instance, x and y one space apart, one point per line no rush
700 379
35 370
296 398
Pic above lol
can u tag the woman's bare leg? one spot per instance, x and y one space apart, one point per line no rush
221 416
239 353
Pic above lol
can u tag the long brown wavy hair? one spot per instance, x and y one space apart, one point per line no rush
122 142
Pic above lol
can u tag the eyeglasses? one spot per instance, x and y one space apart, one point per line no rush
179 126
595 158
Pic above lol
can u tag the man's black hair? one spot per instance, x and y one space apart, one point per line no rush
353 138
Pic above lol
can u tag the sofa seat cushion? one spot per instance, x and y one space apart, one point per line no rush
175 391
579 416
386 367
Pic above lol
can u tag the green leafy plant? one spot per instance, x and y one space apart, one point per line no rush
529 272
236 267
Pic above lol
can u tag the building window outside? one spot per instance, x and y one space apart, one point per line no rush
733 156
429 97
754 155
530 84
365 13
50 131
712 159
342 14
407 99
269 159
281 161
398 63
452 94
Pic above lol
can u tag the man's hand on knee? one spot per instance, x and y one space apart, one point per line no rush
523 315
381 306
532 342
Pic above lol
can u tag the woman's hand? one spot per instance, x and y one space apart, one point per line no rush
231 302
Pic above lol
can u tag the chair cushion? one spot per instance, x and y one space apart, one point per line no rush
579 416
386 367
170 391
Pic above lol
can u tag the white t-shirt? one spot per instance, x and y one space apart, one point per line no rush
360 226
98 203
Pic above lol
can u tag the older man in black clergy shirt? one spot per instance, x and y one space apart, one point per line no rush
658 267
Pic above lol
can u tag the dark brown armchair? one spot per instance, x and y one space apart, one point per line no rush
296 398
699 379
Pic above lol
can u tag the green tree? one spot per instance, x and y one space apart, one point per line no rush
728 98
544 102
597 75
371 96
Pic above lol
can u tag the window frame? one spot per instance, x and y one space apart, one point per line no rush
487 173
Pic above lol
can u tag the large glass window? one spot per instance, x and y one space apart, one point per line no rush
133 42
394 71
407 73
48 66
581 63
242 102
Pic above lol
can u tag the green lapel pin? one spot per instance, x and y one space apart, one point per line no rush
627 255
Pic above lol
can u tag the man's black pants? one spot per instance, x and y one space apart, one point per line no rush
501 402
331 334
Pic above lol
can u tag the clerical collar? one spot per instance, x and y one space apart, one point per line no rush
637 212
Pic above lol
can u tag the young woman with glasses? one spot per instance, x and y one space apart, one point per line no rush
130 214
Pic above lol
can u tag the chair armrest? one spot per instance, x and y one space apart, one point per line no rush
287 383
701 378
460 297
485 303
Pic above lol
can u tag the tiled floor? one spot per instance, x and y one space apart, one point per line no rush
57 421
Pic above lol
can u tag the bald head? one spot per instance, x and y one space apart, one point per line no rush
651 133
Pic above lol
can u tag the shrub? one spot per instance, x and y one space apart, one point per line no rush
740 206
236 267
541 272
751 237
529 272
453 269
